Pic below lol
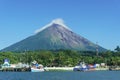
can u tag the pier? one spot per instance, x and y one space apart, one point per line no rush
16 69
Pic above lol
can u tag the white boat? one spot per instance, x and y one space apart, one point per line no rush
37 67
80 67
37 70
83 67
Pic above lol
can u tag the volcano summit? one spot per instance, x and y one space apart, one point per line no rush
54 36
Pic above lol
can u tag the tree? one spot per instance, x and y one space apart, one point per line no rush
117 49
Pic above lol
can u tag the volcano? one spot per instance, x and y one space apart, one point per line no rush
54 36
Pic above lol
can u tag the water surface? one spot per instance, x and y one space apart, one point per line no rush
93 75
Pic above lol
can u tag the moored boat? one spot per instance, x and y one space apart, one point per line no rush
80 67
114 68
35 67
83 67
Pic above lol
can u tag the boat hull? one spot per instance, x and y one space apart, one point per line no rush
37 70
80 69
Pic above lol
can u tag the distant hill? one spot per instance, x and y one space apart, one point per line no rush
54 36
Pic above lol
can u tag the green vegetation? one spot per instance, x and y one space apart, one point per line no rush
62 57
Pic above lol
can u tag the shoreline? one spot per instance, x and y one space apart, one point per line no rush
58 69
69 68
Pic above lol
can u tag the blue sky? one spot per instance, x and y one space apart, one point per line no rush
96 20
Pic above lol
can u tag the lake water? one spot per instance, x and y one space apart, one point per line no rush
93 75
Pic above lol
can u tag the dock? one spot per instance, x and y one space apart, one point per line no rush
15 69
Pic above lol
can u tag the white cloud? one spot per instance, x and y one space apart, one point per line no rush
58 21
55 21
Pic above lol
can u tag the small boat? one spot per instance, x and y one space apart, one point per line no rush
83 67
35 67
114 68
80 67
38 68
